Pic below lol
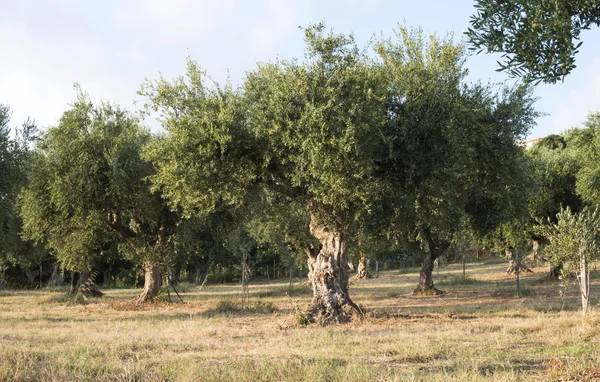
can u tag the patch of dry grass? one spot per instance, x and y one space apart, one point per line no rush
470 333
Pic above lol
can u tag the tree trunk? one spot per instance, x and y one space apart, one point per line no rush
55 273
291 272
174 274
198 275
584 282
329 275
85 285
511 261
435 248
245 281
362 271
152 283
426 274
535 250
106 278
517 272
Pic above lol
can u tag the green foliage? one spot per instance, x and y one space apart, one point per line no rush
14 155
572 235
457 154
553 142
208 157
87 183
588 155
538 38
322 121
554 171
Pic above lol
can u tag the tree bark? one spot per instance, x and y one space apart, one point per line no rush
362 271
152 283
435 248
329 274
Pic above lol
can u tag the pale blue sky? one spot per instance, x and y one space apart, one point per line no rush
110 46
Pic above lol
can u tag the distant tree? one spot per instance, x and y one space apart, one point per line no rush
553 142
88 181
197 244
538 38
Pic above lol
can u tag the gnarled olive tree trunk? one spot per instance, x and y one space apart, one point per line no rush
435 248
329 274
152 283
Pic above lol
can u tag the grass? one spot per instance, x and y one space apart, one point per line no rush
469 333
459 280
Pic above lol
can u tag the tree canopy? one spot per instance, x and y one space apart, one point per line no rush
538 38
88 181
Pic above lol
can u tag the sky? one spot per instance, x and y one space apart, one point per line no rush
110 46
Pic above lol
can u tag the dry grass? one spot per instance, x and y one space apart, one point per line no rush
478 330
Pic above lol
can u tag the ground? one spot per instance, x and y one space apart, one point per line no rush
478 330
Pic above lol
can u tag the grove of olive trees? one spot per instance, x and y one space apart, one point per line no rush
308 165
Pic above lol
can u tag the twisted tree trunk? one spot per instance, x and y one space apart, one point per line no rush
152 283
435 248
329 274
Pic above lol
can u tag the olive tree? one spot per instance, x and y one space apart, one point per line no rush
88 181
575 241
453 145
322 120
